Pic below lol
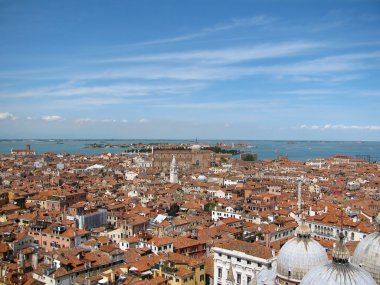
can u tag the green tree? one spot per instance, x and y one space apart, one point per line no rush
248 157
210 206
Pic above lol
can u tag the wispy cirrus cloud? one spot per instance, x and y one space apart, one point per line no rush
325 67
334 68
258 20
224 56
369 93
114 90
228 104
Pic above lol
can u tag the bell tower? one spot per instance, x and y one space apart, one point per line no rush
173 171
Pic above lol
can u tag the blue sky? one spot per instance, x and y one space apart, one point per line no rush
185 69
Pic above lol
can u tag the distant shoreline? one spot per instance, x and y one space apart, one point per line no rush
265 149
192 140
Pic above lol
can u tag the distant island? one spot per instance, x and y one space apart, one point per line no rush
223 148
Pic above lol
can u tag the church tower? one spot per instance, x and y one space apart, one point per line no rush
173 171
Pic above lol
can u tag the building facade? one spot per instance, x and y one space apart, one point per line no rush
241 261
186 159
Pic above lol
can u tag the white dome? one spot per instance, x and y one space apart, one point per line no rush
340 271
338 274
266 277
367 255
299 255
202 178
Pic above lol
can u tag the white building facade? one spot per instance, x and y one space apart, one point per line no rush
245 264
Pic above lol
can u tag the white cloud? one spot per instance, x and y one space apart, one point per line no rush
108 121
114 91
325 67
85 121
222 104
91 120
225 56
341 127
143 121
29 118
370 93
7 116
260 20
51 118
308 92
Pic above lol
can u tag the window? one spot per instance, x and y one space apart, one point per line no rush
238 278
249 262
259 265
249 280
219 272
202 267
202 278
238 259
228 257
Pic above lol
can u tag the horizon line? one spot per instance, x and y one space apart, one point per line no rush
176 139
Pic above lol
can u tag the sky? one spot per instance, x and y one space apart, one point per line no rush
173 69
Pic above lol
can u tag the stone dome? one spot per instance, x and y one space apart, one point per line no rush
202 178
266 277
299 255
367 253
338 272
335 273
